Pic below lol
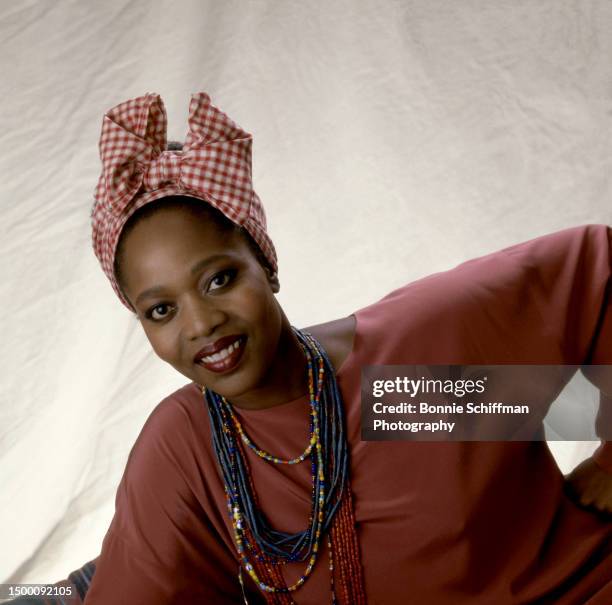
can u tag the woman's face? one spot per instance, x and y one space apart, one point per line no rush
206 304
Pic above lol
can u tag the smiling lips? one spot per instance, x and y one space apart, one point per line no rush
223 355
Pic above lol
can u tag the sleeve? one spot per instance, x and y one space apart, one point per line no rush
575 267
161 548
544 301
601 354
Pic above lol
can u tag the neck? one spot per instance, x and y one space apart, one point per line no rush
286 378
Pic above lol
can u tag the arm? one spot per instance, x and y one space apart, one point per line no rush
567 289
590 483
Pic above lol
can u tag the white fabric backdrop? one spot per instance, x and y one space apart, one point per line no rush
391 140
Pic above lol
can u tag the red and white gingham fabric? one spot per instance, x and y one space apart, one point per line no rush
214 166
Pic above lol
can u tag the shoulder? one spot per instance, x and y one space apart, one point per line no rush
337 338
176 411
171 431
166 462
480 299
566 240
495 275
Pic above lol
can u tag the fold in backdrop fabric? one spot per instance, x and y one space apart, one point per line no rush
391 140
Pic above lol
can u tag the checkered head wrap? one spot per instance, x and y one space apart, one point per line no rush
214 166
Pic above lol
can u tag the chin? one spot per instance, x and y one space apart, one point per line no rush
231 385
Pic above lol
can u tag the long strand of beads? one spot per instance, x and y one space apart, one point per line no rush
237 526
260 547
268 568
331 570
237 521
306 538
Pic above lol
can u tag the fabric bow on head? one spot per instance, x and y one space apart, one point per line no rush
214 166
215 161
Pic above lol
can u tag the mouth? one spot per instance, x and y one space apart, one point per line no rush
223 355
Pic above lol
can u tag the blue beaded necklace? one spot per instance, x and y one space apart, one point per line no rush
255 539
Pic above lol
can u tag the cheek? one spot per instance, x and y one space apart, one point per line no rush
256 306
163 345
261 305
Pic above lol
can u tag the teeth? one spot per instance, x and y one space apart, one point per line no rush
222 354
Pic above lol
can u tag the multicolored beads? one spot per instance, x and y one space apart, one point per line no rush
314 402
262 551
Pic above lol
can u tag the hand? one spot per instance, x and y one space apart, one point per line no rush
590 486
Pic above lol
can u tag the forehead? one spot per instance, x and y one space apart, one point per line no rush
170 240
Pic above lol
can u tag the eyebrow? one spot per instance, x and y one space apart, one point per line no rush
157 290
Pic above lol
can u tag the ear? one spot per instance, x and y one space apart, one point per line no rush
272 279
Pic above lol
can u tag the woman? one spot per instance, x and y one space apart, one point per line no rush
251 483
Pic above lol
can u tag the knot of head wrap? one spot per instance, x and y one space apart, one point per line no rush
163 170
214 166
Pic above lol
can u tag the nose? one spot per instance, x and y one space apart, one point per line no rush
201 316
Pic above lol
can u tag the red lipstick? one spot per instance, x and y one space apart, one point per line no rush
222 355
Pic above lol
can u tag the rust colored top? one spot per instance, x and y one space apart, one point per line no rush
461 523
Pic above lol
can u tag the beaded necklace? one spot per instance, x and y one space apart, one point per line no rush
262 550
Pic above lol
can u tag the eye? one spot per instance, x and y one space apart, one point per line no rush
158 312
221 279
